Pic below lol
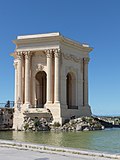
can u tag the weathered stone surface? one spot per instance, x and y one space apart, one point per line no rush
36 125
82 124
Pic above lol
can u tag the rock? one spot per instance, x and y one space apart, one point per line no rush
78 127
86 129
36 124
78 124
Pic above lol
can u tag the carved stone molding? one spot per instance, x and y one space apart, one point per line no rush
39 67
27 54
57 53
19 55
49 53
71 57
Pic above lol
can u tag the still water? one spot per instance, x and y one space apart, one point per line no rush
106 140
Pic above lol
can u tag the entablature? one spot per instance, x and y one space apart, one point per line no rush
48 41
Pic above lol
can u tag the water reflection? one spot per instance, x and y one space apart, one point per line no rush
107 140
8 135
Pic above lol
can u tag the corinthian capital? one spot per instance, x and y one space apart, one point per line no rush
57 53
49 53
27 54
19 55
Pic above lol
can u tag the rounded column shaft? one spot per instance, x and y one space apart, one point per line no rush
86 60
27 78
15 66
49 76
57 77
19 59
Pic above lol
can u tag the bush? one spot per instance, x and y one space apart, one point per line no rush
56 124
26 126
36 123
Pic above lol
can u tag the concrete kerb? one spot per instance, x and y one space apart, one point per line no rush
55 150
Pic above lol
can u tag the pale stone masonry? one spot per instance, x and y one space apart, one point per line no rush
51 73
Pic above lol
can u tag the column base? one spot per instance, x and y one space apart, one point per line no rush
57 102
49 102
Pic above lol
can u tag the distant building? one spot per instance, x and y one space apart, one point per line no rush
51 73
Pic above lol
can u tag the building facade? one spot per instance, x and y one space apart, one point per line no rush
51 74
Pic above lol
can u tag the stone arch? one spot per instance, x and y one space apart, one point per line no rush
71 90
41 84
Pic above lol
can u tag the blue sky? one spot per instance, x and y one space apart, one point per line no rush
96 22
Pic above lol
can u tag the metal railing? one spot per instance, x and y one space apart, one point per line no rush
8 104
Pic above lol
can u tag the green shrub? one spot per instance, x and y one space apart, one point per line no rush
36 122
56 124
26 126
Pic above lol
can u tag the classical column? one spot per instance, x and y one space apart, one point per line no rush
34 98
27 77
57 76
85 81
19 60
49 76
15 66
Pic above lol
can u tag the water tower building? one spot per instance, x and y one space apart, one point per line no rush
51 75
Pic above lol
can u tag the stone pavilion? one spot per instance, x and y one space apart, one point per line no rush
51 75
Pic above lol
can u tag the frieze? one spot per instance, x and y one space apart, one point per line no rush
71 57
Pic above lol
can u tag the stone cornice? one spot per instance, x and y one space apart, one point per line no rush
75 44
52 39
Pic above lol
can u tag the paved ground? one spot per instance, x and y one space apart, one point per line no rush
15 154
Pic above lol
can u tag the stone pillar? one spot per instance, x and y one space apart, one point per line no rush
34 98
85 81
15 66
57 76
49 76
27 78
19 60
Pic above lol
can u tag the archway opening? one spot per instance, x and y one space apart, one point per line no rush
71 91
41 89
